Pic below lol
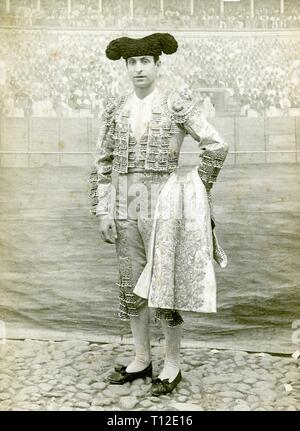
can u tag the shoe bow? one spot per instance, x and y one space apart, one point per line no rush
121 369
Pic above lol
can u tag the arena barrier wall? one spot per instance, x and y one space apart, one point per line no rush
37 142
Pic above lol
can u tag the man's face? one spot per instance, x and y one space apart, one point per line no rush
142 70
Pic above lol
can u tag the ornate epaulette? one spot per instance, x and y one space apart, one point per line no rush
180 106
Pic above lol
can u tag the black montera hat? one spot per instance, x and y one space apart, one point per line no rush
155 44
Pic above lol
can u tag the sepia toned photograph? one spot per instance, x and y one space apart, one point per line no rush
149 207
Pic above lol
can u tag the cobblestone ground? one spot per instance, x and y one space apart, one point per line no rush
70 375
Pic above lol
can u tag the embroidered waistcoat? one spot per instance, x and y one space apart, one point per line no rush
173 117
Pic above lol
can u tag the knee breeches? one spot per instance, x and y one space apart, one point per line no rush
133 236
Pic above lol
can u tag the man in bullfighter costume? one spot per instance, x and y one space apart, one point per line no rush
164 263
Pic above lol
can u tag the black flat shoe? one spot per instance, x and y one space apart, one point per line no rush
163 387
121 376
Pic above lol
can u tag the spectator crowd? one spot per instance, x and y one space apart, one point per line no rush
117 14
65 73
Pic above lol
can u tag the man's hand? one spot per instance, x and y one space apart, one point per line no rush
107 228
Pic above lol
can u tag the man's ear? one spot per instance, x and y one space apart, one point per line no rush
158 63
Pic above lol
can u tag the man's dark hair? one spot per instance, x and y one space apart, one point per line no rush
155 58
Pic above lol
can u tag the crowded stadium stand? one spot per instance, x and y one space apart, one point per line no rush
66 74
238 57
133 14
53 84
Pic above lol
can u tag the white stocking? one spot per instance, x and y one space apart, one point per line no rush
172 351
140 331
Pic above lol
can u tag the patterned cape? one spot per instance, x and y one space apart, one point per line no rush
179 274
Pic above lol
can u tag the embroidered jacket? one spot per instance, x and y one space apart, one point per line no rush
173 117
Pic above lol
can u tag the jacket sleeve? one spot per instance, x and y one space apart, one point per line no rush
100 178
213 149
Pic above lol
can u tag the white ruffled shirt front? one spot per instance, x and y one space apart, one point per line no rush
140 113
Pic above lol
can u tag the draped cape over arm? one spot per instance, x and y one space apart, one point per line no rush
179 273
